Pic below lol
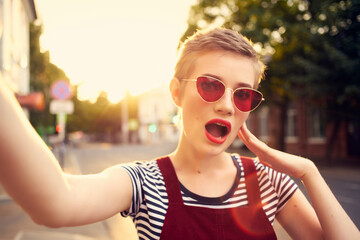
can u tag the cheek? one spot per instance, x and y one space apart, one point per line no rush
191 104
192 112
240 119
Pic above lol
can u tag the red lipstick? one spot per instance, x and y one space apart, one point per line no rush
217 130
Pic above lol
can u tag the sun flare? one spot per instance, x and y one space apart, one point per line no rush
113 46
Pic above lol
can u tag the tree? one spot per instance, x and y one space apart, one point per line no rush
276 28
332 62
101 119
42 74
293 36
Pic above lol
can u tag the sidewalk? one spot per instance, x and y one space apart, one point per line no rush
341 172
15 224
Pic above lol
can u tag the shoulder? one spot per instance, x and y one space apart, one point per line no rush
145 176
142 169
149 191
261 169
275 188
269 177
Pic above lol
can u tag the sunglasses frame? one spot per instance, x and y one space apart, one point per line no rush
232 90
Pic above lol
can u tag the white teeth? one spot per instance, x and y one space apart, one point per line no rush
220 124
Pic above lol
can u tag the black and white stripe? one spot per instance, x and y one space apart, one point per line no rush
150 201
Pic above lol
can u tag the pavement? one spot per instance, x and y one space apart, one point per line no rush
16 225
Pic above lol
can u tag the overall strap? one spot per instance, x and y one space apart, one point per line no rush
251 182
171 181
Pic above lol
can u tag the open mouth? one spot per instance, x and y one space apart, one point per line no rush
217 130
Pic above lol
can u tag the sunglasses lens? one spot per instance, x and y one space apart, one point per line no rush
247 99
210 89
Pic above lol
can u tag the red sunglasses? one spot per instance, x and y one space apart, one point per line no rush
211 90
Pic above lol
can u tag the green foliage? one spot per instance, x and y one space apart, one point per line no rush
275 26
332 61
311 48
42 74
98 117
312 45
101 119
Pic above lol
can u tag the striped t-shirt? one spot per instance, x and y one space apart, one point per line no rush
150 202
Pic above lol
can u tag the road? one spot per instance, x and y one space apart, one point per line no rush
347 191
344 182
93 158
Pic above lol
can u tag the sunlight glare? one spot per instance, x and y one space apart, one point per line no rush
114 46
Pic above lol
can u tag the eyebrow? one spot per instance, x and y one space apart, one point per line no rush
238 85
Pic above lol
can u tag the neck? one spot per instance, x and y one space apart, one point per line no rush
187 158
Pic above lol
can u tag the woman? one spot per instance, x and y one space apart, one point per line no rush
197 192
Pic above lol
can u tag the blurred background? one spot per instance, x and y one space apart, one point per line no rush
96 72
118 57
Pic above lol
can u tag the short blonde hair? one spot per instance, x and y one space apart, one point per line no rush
217 39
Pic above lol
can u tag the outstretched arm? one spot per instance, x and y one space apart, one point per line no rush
334 221
33 178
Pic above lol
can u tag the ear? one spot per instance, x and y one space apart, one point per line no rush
175 91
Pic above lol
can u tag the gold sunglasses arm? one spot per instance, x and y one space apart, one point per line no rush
188 80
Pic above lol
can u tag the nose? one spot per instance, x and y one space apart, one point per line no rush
225 104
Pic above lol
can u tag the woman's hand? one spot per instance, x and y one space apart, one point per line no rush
292 165
335 223
32 176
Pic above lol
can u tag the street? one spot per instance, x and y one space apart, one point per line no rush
93 158
344 182
96 157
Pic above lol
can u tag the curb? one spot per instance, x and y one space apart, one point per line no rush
4 197
45 235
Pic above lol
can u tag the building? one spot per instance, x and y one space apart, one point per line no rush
307 133
16 15
157 116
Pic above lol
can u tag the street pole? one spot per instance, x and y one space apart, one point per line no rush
124 120
61 121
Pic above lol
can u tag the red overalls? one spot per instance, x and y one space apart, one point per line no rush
188 222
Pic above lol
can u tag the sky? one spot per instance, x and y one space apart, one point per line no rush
113 45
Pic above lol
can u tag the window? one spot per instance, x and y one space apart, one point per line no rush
316 125
291 133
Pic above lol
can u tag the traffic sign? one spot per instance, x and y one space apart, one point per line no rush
61 90
61 106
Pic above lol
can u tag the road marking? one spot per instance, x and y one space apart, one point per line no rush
347 200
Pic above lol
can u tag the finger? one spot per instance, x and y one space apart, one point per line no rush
253 143
244 133
247 136
241 136
244 126
241 132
